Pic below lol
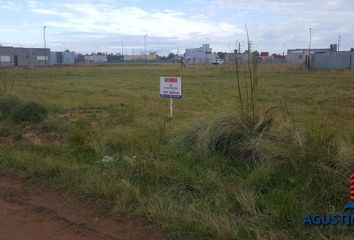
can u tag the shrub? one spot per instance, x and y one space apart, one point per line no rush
7 104
29 112
315 156
235 137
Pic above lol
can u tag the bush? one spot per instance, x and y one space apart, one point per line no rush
29 112
235 137
315 158
7 104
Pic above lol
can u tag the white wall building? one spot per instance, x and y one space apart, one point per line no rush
63 58
299 56
96 58
200 55
18 56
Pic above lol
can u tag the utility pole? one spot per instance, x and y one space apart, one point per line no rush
339 42
122 48
145 47
239 52
206 50
309 59
45 46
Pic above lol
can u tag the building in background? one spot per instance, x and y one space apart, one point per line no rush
202 54
232 57
299 56
63 58
111 58
6 56
152 56
277 58
24 57
333 60
96 58
80 58
264 57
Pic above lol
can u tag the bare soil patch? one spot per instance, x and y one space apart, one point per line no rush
41 214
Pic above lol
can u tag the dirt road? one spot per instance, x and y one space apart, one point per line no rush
27 213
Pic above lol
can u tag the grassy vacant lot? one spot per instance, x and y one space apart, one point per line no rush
208 173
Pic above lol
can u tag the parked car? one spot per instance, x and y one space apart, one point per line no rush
219 62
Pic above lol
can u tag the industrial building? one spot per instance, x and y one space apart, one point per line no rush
264 57
202 54
242 58
333 60
323 58
111 58
299 56
96 58
24 57
63 58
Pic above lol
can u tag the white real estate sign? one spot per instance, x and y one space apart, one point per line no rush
171 87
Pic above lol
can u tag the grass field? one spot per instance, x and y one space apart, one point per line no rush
107 138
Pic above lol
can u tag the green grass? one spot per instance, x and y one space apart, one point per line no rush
210 173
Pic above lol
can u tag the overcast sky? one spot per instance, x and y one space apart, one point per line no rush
102 25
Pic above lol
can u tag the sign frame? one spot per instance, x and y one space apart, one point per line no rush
178 85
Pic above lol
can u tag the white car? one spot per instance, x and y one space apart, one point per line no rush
219 62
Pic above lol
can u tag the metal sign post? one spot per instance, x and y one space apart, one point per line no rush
171 87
